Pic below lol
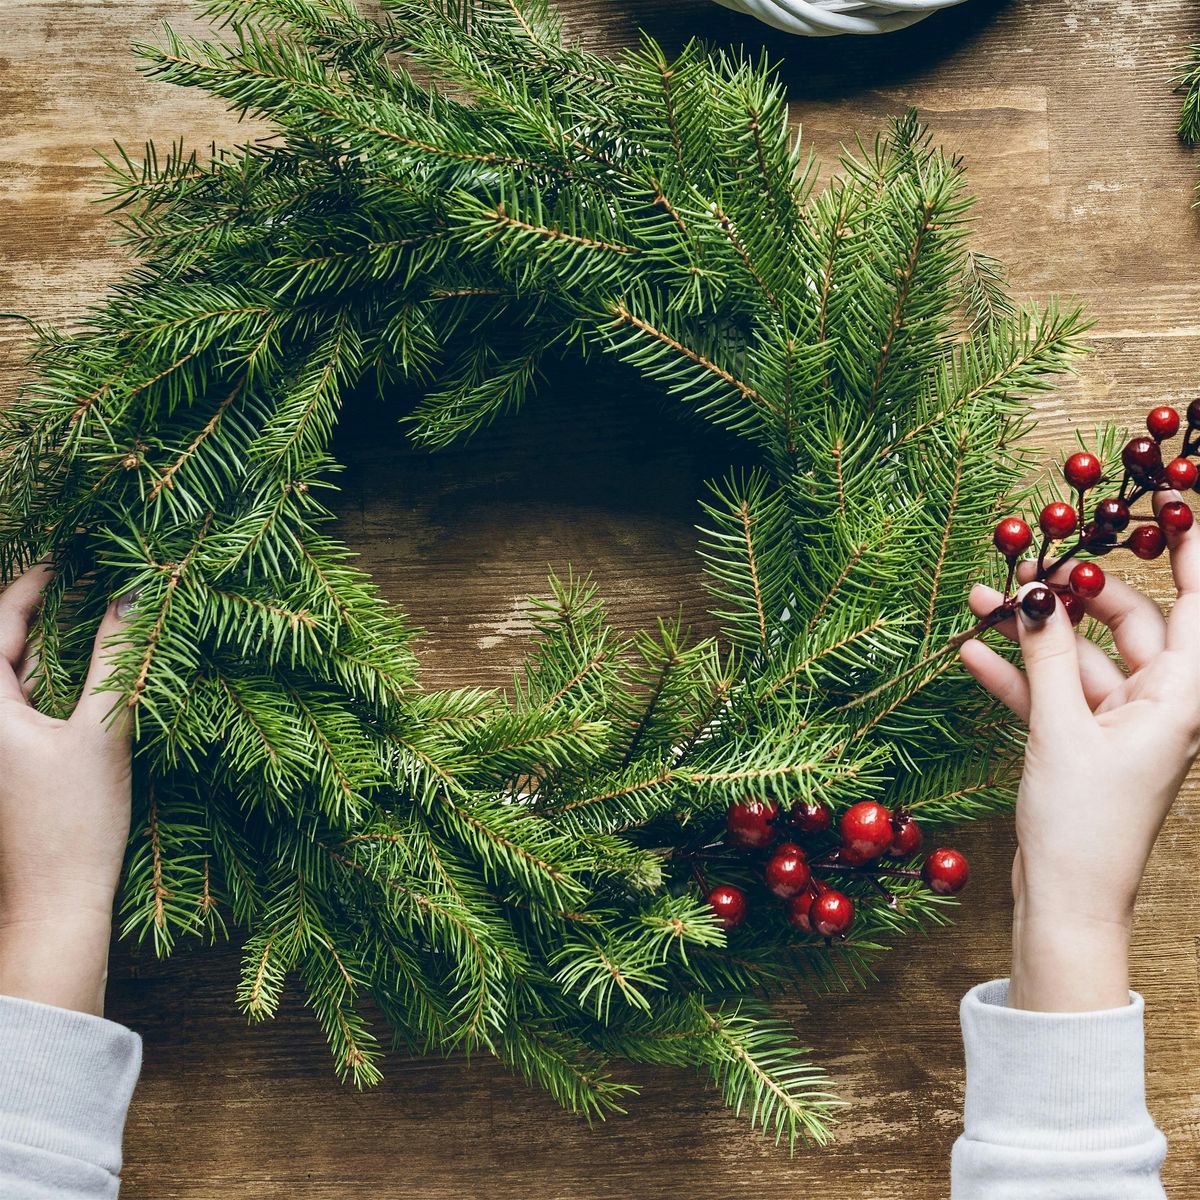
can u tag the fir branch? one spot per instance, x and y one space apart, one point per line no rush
948 518
625 317
166 478
1187 81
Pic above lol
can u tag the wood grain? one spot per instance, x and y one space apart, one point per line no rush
1066 119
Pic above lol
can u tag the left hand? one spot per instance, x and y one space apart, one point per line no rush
64 817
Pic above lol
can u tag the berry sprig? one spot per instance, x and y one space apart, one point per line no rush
867 834
872 841
1144 471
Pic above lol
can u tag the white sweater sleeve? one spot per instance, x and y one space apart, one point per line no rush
66 1080
1056 1104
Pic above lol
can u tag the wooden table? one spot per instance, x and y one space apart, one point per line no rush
1066 118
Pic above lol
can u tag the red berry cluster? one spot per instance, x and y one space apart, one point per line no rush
868 833
1144 470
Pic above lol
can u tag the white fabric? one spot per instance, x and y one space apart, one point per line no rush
823 18
1056 1104
66 1079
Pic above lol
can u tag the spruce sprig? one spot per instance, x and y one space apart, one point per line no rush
450 195
1187 81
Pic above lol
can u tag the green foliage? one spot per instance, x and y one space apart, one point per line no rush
450 194
1187 81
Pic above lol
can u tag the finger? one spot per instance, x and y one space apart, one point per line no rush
1135 621
1183 626
27 671
1056 699
1097 671
96 706
998 676
18 604
984 600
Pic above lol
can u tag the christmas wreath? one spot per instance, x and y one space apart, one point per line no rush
450 195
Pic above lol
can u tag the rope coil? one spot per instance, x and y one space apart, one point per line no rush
824 18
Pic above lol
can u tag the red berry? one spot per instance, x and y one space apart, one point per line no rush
866 829
831 913
1175 517
749 822
1163 422
945 871
1038 603
729 903
1194 414
1142 458
1057 520
1182 474
1082 470
1099 543
906 837
1087 580
799 909
786 872
1073 605
1147 541
811 816
1012 537
1112 516
853 858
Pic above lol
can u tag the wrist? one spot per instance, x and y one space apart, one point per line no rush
57 900
61 962
1068 961
1096 895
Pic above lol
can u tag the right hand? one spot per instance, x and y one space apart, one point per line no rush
1107 753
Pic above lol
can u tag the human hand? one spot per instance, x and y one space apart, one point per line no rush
1106 755
64 819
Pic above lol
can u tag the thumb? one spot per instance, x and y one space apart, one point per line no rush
1051 664
96 706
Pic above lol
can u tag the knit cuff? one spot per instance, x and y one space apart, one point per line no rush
66 1079
1053 1081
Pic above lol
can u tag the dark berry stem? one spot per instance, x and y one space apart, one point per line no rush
1045 573
871 872
1001 613
1041 558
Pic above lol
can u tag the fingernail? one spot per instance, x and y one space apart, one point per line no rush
127 603
1036 605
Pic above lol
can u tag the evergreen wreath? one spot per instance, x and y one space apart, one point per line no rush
450 195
